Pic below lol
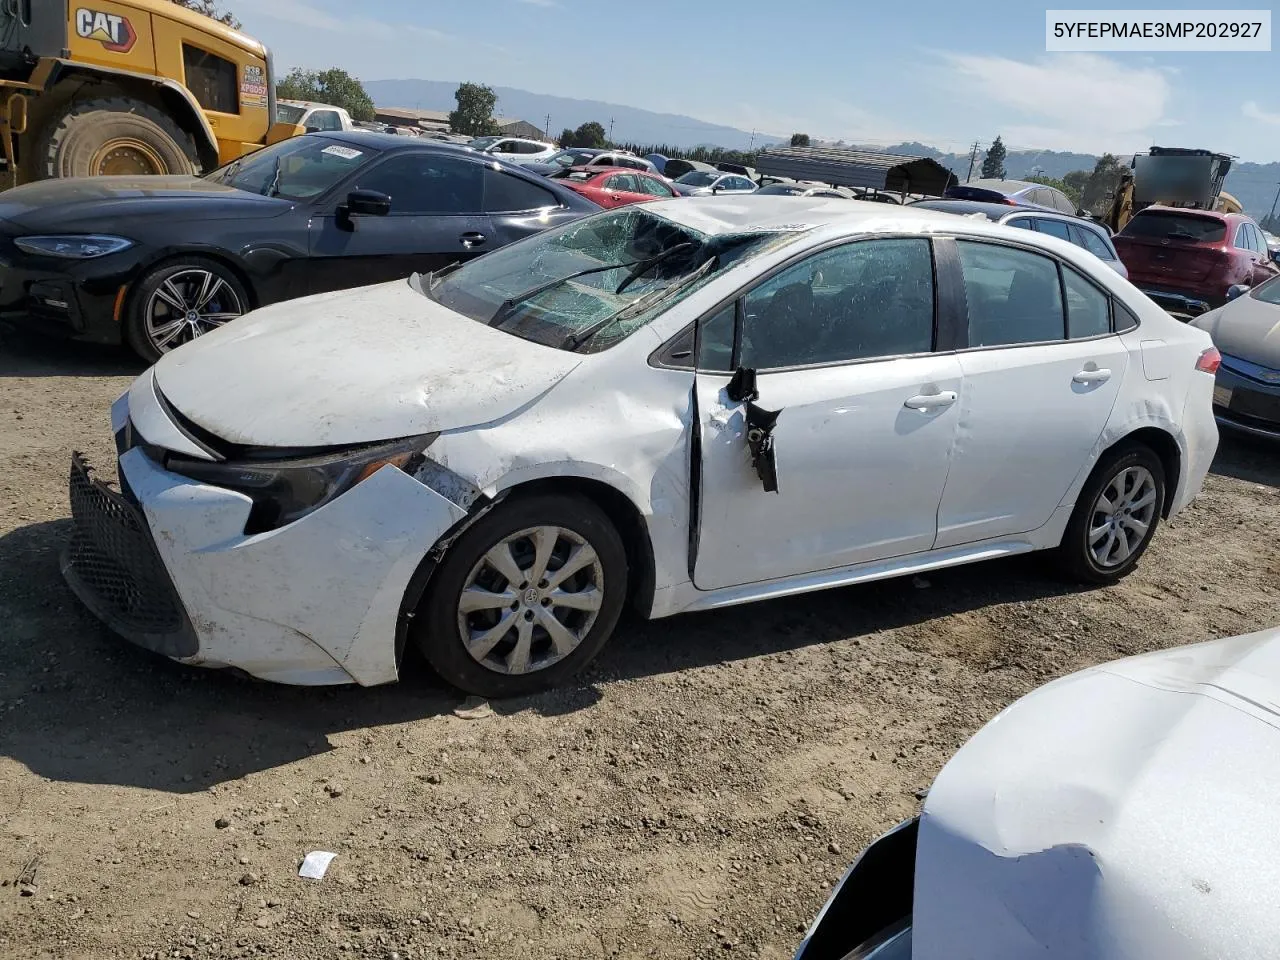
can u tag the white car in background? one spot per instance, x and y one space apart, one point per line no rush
1126 812
314 117
514 149
676 405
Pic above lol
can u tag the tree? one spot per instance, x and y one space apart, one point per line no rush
567 138
590 135
800 140
1071 192
1102 184
1076 180
334 86
993 162
474 116
210 9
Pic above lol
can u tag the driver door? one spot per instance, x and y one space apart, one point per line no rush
842 346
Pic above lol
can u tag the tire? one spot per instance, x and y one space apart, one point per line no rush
493 670
152 312
116 135
1134 478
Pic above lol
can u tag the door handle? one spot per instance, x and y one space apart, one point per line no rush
472 239
927 401
1092 376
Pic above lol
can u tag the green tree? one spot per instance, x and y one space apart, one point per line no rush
334 86
474 116
1102 184
567 138
800 140
590 135
1076 180
993 162
1071 192
210 9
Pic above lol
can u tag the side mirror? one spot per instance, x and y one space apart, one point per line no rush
716 188
1237 290
369 203
311 129
1275 256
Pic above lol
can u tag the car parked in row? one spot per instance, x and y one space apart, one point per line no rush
1017 192
615 186
1246 332
590 157
1088 234
1188 260
157 261
802 190
515 149
649 406
706 183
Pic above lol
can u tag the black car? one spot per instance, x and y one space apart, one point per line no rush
156 261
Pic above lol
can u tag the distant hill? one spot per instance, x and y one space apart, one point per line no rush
629 123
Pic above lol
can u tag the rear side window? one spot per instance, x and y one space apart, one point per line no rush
1176 226
1084 237
504 193
211 79
1088 308
1125 319
1014 296
1022 223
1055 228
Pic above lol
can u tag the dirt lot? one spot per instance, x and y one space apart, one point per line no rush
696 795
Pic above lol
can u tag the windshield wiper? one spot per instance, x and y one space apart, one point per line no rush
576 339
644 266
274 186
508 305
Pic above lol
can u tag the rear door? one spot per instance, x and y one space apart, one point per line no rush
1040 380
515 208
623 188
436 218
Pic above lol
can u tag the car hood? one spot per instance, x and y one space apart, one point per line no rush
1126 812
1246 328
62 204
374 363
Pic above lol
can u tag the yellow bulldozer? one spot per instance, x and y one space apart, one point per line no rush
1173 177
128 87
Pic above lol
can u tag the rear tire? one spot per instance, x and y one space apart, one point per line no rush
529 629
114 135
1115 516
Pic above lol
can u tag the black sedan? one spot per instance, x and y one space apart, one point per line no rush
156 261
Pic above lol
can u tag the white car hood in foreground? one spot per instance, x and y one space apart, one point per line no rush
375 363
1128 812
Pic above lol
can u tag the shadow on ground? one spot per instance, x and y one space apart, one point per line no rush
1252 459
25 354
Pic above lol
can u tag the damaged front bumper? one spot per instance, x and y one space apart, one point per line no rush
167 565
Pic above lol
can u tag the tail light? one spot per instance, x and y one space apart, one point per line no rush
1209 361
1012 202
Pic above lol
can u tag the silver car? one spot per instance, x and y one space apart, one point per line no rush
705 183
1246 393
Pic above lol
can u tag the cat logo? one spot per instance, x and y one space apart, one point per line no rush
113 31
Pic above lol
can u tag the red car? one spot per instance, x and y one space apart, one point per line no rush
1187 260
615 186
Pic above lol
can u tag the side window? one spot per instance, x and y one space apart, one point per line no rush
211 79
422 183
529 146
1062 202
654 187
632 162
325 120
1055 228
715 341
507 193
867 299
1259 244
1125 319
742 183
1242 237
1022 223
1014 296
1088 308
624 182
1084 237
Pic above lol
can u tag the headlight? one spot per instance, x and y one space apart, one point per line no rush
73 247
284 490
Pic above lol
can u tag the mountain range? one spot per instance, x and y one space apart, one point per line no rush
1253 184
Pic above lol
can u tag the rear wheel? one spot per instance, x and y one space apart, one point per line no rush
180 300
525 598
1115 516
114 136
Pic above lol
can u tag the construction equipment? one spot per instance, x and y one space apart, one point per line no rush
1172 177
127 87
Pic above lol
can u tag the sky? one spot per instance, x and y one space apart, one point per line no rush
944 74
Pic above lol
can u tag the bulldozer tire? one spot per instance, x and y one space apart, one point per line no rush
116 135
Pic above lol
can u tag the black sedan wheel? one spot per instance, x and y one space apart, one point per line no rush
180 300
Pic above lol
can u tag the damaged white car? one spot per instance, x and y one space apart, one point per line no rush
1126 812
678 406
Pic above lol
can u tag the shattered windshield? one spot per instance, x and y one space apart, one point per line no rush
594 282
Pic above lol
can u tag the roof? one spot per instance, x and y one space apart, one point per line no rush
215 28
854 168
387 141
992 210
309 104
1001 186
405 113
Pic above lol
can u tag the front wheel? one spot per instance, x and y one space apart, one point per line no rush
525 598
1115 516
180 300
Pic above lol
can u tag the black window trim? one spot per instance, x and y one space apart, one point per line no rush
531 180
661 357
386 156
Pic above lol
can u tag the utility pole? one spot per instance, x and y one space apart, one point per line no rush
610 136
752 145
546 131
973 156
1273 203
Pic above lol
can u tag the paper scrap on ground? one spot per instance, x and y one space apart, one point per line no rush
315 864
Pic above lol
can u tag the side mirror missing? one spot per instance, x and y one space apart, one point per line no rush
1237 290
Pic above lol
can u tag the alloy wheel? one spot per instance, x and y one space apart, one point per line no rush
188 304
530 600
1122 516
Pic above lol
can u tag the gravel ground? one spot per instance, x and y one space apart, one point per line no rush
696 795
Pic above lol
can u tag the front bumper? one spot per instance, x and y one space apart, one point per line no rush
1246 402
167 565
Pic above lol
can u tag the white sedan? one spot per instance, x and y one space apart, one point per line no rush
681 406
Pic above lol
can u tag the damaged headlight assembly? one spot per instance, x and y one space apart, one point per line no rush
287 488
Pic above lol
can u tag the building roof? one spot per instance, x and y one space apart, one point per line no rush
854 168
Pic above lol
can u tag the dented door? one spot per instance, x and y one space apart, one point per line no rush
861 453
